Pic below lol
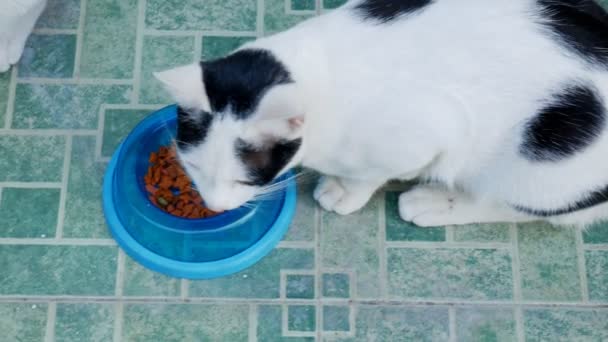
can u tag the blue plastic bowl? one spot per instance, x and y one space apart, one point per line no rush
179 247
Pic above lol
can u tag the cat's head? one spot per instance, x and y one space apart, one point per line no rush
240 124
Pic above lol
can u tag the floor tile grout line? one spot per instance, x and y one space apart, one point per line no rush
382 253
63 194
184 288
397 302
57 242
516 275
198 48
596 247
260 19
189 33
452 324
447 245
46 132
519 324
118 322
582 267
101 122
10 106
318 7
139 42
318 215
74 81
120 274
51 318
80 38
449 233
253 323
31 185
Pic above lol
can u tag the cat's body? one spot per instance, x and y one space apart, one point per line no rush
494 100
17 19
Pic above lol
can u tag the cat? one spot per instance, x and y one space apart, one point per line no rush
498 107
17 20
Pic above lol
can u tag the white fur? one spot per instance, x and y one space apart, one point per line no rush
17 19
441 95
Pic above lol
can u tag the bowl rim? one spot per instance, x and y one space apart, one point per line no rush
194 270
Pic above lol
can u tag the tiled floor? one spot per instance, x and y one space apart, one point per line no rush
85 80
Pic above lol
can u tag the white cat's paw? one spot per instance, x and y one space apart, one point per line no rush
428 207
15 50
328 192
342 199
4 60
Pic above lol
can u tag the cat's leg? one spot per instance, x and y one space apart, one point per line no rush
344 196
428 206
17 20
22 31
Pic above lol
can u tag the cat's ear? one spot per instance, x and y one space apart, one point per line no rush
281 112
185 85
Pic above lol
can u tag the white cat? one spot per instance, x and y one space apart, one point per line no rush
499 105
17 20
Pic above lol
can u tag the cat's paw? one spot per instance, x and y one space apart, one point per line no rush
5 64
428 207
15 50
333 195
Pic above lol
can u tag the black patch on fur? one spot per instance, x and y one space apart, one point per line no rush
582 26
572 121
594 198
191 127
239 81
388 10
264 163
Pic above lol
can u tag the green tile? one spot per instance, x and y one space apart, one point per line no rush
277 19
162 53
303 225
83 210
450 273
548 263
379 323
48 56
5 79
597 233
493 232
60 14
566 325
259 281
28 212
118 124
109 39
331 4
23 321
301 318
303 5
300 286
64 106
336 285
140 281
170 322
597 275
269 326
214 47
57 270
485 324
44 160
84 322
336 318
351 242
399 230
231 15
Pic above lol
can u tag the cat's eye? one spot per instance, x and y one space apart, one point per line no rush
246 183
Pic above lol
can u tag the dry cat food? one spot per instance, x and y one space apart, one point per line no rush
170 189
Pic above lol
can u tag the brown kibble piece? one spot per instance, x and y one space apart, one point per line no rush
170 189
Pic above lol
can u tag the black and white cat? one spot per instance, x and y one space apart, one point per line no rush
17 19
501 104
